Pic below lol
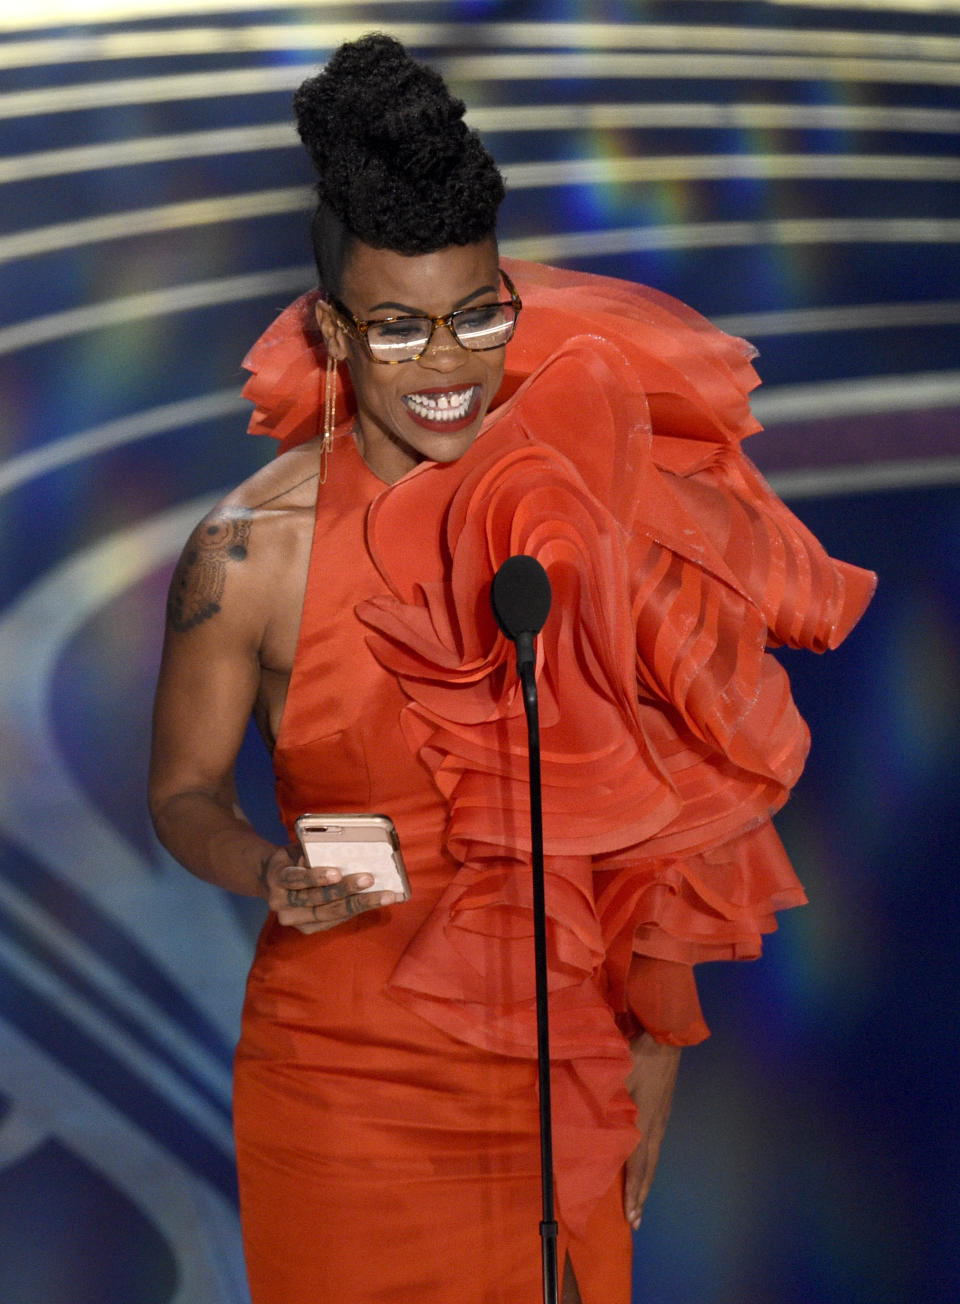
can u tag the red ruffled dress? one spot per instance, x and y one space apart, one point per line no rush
385 1102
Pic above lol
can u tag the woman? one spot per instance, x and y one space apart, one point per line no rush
385 1103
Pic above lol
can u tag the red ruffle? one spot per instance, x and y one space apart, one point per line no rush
288 366
668 732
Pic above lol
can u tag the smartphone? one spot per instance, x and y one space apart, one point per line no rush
356 844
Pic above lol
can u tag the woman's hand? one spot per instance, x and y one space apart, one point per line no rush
315 898
650 1084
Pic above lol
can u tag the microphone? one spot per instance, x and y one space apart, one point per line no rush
520 596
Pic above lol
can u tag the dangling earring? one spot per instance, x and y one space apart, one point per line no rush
329 415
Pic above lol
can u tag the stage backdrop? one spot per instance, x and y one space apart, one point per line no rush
789 169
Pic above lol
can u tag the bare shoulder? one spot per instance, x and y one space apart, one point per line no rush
247 551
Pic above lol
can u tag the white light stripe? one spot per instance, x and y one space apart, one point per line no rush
670 68
119 1043
856 317
257 204
499 67
875 477
18 15
262 38
721 235
506 121
169 915
148 221
173 43
721 167
153 149
113 434
864 396
716 114
187 1212
151 90
895 6
20 1135
155 303
112 985
22 14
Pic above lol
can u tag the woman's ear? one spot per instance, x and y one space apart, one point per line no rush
335 337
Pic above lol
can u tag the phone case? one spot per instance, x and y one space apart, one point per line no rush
356 844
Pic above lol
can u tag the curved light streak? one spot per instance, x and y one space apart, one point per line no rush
265 38
717 114
151 90
169 915
256 204
41 979
670 68
721 167
856 317
114 434
19 14
825 400
139 1009
726 235
20 1135
504 66
151 149
507 121
184 917
896 6
199 1225
874 477
149 221
153 303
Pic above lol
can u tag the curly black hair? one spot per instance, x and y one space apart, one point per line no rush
398 168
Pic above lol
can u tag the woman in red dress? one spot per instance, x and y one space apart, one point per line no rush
386 1102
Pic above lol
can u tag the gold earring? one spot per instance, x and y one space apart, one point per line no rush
329 415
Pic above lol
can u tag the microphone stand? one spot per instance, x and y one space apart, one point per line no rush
548 1224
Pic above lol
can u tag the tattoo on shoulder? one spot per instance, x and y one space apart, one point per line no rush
200 577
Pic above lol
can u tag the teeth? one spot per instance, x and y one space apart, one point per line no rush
441 407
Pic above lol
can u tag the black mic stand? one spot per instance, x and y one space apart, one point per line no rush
521 602
548 1224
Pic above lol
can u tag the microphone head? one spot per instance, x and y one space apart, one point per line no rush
520 596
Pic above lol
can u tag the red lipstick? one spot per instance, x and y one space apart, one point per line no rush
444 411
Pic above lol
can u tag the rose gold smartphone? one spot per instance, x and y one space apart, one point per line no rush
356 844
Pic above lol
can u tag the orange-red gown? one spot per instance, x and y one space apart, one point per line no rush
386 1100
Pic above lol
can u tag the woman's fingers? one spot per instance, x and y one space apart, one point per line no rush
288 879
312 898
637 1185
319 918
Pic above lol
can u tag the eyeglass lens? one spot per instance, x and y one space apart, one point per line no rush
486 327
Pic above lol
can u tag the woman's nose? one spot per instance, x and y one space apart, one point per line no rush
443 353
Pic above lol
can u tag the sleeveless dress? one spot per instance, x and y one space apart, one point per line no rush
385 1090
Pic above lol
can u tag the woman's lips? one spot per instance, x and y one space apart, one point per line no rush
444 410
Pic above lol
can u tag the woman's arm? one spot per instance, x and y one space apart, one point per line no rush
209 678
221 601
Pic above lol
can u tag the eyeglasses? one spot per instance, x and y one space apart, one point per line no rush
405 339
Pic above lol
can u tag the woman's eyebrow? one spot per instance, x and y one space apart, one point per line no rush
418 312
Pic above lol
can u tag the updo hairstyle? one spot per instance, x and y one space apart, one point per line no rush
397 166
